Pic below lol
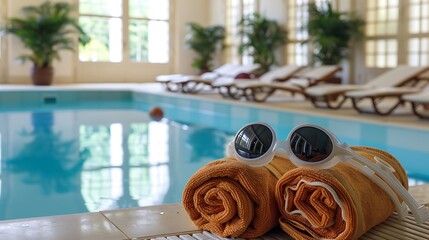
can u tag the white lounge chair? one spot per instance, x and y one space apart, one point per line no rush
195 83
260 91
169 80
230 87
385 85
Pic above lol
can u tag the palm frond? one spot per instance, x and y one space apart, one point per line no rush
331 33
204 41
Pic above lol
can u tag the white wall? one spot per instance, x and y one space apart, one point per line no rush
187 11
273 9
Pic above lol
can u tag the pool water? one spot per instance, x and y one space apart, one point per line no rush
86 160
112 155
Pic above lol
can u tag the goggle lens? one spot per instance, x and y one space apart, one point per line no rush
253 141
311 144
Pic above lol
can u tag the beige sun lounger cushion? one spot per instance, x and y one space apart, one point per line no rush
179 82
334 96
260 90
382 92
395 77
281 73
420 97
225 70
379 92
195 84
301 80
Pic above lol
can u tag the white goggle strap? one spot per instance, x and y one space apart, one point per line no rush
420 212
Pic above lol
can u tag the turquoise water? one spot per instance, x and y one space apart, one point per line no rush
100 155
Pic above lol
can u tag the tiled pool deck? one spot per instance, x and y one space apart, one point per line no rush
163 220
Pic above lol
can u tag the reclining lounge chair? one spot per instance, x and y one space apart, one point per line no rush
391 83
384 100
260 91
196 83
230 88
170 81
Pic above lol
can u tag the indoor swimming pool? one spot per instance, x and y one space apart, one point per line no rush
77 152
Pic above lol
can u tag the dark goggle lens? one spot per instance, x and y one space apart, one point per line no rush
253 141
311 144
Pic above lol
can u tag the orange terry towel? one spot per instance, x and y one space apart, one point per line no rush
306 200
232 199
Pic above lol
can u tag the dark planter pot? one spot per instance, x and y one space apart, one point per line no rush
42 76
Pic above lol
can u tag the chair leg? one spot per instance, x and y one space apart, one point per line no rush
251 94
235 92
328 102
223 91
375 105
418 113
229 92
192 88
169 86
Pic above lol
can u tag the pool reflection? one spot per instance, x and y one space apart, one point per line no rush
65 162
43 169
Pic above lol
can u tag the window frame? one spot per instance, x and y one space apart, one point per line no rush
292 43
127 71
126 18
232 41
402 36
306 48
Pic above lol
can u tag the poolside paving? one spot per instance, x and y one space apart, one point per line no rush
167 220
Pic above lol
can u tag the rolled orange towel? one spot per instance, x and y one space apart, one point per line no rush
232 199
306 200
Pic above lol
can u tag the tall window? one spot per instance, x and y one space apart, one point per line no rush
418 29
397 33
297 12
125 30
382 33
235 10
298 52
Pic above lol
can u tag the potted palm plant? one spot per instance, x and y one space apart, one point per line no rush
331 33
204 41
46 30
261 38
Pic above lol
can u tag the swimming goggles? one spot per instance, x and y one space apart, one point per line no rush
312 146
